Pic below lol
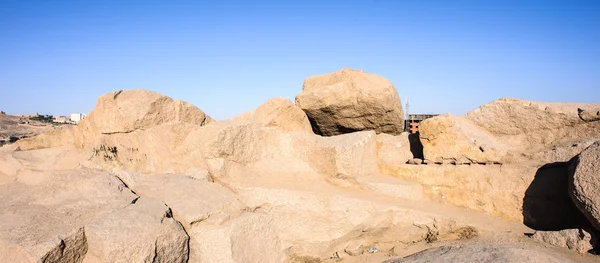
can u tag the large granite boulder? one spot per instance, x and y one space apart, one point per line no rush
584 184
351 100
129 110
121 113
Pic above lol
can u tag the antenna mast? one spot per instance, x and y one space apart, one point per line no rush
406 121
407 108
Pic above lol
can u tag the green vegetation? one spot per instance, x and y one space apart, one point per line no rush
42 118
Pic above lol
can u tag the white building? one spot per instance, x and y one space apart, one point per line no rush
77 117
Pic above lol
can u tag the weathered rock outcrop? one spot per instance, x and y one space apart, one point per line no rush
584 184
336 219
191 200
122 113
454 139
535 123
561 152
129 110
574 239
44 219
248 238
509 129
136 130
238 148
477 187
142 111
393 150
588 115
351 100
279 113
141 232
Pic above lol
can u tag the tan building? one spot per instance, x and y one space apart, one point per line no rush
60 119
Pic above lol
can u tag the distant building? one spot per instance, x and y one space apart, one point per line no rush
77 117
411 124
60 119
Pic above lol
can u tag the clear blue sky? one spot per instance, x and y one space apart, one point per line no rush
228 57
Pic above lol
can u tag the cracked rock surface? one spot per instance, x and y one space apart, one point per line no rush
45 221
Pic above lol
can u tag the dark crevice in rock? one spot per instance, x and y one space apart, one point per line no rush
314 125
199 220
125 185
169 214
116 94
345 130
154 259
121 132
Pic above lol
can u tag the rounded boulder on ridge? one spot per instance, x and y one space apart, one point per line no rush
124 111
351 100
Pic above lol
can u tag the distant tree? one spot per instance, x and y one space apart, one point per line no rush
42 118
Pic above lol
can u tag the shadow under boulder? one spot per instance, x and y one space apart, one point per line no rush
547 205
416 147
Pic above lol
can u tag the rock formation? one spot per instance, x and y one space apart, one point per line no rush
351 100
454 139
393 150
130 110
535 124
589 114
505 129
280 113
584 183
142 232
574 239
147 178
